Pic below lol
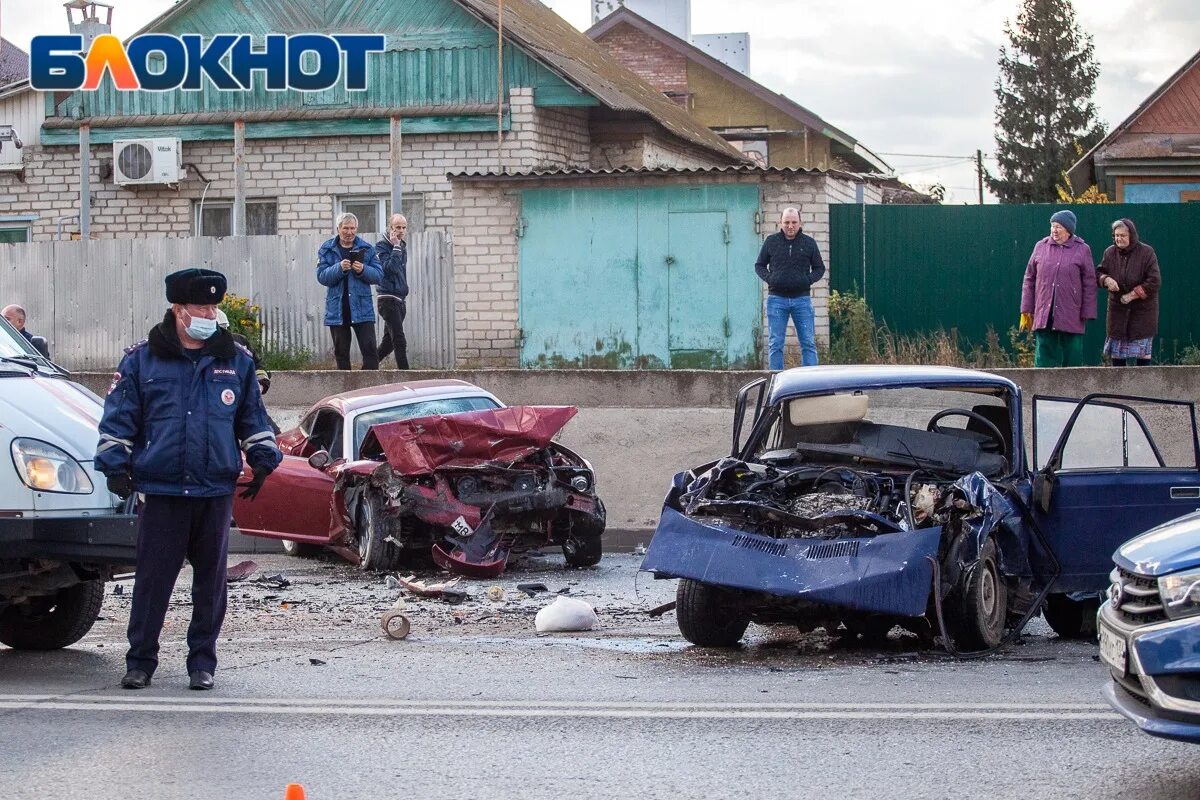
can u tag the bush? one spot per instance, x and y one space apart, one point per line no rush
856 337
246 318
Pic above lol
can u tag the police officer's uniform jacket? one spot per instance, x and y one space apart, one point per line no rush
168 419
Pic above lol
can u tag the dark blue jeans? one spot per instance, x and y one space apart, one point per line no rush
800 311
171 529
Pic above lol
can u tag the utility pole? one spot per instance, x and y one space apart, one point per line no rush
979 173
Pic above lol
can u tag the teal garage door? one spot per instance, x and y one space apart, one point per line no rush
640 278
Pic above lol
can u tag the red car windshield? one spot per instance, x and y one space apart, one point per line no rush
425 408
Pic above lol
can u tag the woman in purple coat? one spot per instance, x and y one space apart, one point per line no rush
1059 294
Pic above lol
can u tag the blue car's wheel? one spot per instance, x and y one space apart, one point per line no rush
709 615
978 608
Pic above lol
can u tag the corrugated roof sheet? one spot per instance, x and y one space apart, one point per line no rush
742 169
14 63
579 60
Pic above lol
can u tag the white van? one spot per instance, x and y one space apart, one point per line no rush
62 533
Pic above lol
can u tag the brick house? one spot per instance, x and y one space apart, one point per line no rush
308 156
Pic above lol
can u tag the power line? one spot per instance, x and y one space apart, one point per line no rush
933 155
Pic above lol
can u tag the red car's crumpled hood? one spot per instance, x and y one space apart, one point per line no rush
422 445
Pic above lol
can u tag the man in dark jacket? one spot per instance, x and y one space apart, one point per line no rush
16 317
181 408
790 263
393 290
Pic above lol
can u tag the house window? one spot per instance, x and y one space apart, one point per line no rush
756 149
372 211
215 218
11 233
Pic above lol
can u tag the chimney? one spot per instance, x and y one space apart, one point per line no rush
93 20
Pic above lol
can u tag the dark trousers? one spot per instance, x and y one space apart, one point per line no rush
364 332
171 529
393 310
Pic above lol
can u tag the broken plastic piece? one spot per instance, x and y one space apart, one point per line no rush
565 614
240 571
658 611
532 588
316 662
422 589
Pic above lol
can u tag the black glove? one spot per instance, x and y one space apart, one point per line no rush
252 486
264 384
121 485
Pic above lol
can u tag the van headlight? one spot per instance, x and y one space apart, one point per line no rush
1180 593
47 468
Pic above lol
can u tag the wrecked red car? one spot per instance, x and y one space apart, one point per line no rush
429 468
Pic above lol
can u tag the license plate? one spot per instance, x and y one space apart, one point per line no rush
1113 650
461 527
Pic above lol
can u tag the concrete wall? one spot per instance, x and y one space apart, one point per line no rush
639 428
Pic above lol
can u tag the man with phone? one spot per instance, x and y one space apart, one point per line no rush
348 267
393 291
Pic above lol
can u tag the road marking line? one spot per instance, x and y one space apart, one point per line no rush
333 702
744 711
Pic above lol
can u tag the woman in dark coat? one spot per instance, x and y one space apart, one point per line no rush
1129 271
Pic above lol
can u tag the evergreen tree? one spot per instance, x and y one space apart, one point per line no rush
1044 105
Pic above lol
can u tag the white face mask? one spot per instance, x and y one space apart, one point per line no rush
200 328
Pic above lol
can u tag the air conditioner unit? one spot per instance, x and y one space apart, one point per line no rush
139 162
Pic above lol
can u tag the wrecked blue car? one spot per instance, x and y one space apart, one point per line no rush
1150 629
860 498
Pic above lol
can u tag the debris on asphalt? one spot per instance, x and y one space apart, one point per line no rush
658 611
394 623
422 589
454 596
240 571
118 589
495 593
565 614
532 588
276 581
316 662
640 550
392 582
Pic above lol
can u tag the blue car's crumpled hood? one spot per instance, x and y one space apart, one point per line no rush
890 573
1168 548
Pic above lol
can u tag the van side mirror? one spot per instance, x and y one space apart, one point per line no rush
320 460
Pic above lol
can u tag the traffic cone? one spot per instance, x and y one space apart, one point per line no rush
294 792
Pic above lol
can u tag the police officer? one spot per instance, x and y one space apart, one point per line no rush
179 407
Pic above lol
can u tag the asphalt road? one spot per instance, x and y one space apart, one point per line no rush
475 704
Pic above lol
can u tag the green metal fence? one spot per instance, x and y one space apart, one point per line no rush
960 267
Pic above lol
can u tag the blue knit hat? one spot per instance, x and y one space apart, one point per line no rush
1066 219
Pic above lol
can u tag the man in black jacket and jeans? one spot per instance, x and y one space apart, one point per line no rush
790 263
393 291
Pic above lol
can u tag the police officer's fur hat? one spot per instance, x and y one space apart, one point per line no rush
201 287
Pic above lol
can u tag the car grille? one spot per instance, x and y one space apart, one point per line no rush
1140 602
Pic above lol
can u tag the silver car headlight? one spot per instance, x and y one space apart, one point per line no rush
47 468
1180 593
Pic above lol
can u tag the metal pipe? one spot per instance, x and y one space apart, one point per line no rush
239 177
228 117
397 148
499 84
85 181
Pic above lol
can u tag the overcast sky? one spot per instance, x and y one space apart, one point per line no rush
901 77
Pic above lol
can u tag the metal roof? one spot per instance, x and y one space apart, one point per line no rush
14 62
1082 174
580 61
816 380
731 169
781 102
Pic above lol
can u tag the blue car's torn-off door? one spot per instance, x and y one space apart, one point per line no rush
887 574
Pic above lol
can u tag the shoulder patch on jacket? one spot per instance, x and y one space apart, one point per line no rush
245 350
136 346
112 386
